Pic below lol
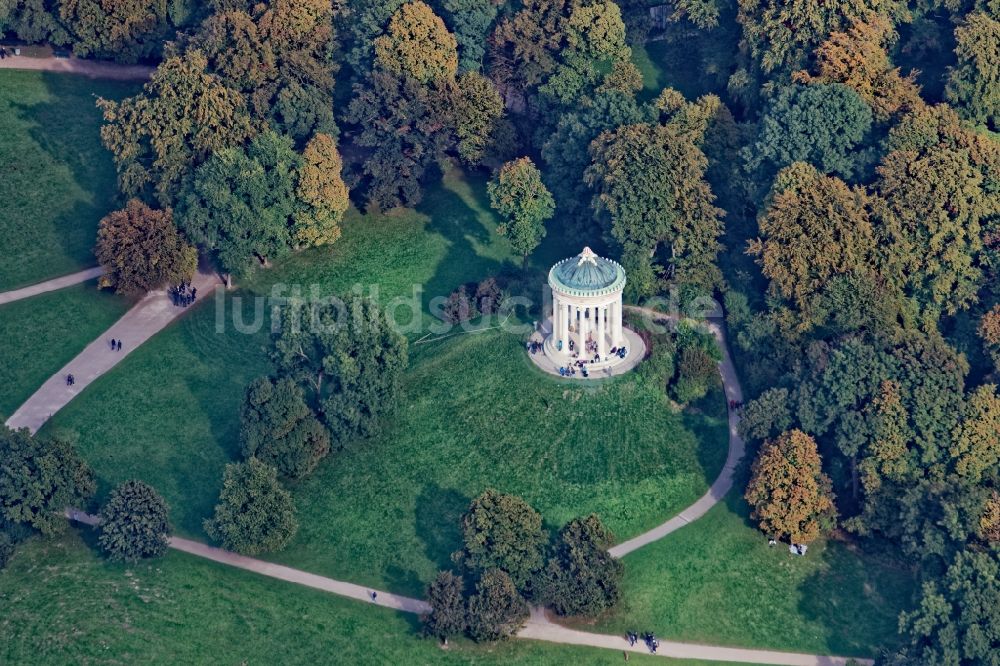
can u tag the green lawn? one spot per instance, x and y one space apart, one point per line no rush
64 604
695 62
43 333
717 581
475 414
58 180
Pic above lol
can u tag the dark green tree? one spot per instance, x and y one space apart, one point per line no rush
350 360
470 20
652 197
958 619
974 84
241 204
502 532
446 596
39 478
135 523
582 578
826 125
497 610
278 428
254 514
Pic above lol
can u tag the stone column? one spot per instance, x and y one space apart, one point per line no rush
616 324
556 311
564 324
601 331
581 343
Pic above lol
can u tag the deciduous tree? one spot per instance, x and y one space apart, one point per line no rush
350 360
497 610
135 523
39 478
254 514
322 192
813 228
278 428
651 191
524 204
958 619
126 30
789 494
502 532
446 597
975 446
974 83
582 578
241 204
417 45
140 250
183 115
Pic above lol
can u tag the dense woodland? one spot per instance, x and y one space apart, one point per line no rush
830 172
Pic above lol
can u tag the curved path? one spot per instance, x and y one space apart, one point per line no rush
538 626
50 285
95 69
724 482
155 311
146 318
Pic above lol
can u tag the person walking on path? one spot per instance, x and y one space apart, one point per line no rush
114 344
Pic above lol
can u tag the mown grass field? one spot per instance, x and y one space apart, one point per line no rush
62 603
717 581
57 179
475 414
43 333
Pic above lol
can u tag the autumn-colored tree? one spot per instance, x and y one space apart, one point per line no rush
989 522
524 204
322 191
935 182
140 250
813 229
524 46
989 331
417 44
183 115
858 58
126 30
789 494
280 56
651 194
783 35
974 83
975 446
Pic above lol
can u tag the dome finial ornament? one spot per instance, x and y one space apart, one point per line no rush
587 257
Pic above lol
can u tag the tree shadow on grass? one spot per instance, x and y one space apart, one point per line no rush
66 128
438 522
856 595
707 420
459 225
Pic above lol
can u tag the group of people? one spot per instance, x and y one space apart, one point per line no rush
70 379
116 345
571 370
183 294
534 346
648 638
735 404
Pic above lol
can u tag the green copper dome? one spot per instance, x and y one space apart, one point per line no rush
587 274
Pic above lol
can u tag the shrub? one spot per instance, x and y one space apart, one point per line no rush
254 514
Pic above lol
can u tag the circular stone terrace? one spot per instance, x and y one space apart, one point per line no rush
583 336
